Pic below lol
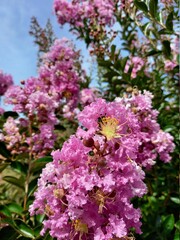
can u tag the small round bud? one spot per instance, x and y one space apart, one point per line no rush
22 82
129 89
88 142
116 146
91 153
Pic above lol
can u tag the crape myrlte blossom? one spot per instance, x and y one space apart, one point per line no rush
86 191
88 95
89 20
169 65
12 136
5 82
137 64
76 11
88 196
57 83
40 98
152 140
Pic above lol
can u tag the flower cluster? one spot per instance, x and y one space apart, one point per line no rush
39 98
169 65
89 20
86 191
12 137
76 11
5 82
153 141
88 95
57 83
136 63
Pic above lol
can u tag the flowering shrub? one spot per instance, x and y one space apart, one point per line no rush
79 162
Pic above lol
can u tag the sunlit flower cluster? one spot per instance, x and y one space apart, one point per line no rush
76 11
86 191
89 20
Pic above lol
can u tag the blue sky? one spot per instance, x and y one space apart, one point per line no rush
18 54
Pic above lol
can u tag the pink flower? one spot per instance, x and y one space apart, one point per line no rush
169 65
5 82
12 135
1 111
137 63
87 96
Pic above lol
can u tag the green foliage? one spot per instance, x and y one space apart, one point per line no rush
141 5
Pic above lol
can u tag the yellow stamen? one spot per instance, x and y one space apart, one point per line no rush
48 210
109 127
79 226
67 94
59 193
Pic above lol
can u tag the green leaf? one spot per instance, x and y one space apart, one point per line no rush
32 187
169 22
169 128
15 208
153 52
168 224
40 163
60 127
48 237
141 5
19 167
177 235
3 166
24 229
123 63
37 231
177 225
160 16
44 159
104 63
15 181
40 217
166 48
145 27
113 49
4 211
175 200
165 31
10 114
8 221
8 233
153 6
115 79
3 150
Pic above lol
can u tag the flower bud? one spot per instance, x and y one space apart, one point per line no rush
88 142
